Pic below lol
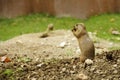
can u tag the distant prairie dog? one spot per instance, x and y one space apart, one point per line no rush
50 27
46 33
85 43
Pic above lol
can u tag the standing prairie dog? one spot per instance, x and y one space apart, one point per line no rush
50 27
85 43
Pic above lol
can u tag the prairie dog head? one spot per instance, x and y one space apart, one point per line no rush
50 27
79 30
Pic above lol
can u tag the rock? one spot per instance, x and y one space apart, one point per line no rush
92 69
39 65
34 79
74 67
118 61
72 72
5 59
63 69
115 71
78 51
73 39
62 44
89 61
115 32
19 42
115 65
82 76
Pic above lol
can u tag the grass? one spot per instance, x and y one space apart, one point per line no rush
102 24
33 23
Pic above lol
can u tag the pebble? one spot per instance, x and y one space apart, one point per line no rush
73 39
72 72
19 42
115 32
82 76
3 58
92 69
34 79
74 67
115 65
89 61
63 69
62 44
118 61
115 71
39 65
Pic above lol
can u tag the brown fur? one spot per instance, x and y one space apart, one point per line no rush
85 43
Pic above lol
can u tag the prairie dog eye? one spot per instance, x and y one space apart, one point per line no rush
76 24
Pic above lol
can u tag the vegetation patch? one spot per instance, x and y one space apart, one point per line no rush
101 25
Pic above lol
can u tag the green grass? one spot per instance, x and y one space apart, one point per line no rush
102 24
33 23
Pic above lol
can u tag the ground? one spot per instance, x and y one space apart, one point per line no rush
56 57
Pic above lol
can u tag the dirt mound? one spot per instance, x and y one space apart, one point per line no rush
59 44
55 58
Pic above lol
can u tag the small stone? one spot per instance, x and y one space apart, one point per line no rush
62 44
74 67
19 42
4 59
115 65
104 79
72 72
39 65
37 59
92 69
115 32
82 76
115 71
118 61
89 61
63 69
73 39
34 79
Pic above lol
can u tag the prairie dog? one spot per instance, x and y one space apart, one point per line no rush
85 43
46 33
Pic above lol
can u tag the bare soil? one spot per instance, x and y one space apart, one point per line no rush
35 58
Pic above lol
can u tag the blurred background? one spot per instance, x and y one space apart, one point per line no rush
75 8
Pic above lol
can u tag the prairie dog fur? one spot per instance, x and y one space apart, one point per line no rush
85 43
